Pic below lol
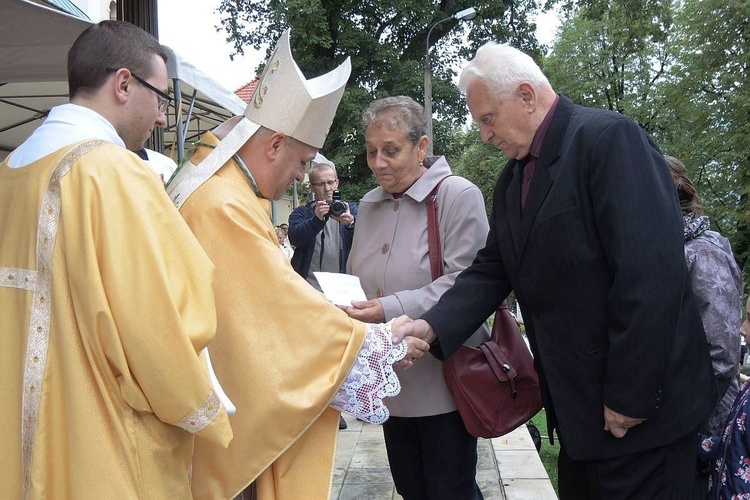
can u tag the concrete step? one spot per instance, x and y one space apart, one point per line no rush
508 468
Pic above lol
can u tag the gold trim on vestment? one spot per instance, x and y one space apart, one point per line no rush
190 177
39 324
202 416
24 279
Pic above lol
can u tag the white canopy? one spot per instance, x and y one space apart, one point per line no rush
34 44
35 40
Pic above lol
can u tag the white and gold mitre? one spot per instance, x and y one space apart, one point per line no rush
283 101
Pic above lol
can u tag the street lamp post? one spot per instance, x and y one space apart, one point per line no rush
464 15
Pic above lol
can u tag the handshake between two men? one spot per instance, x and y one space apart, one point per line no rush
418 333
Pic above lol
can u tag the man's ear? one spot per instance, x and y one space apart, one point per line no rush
274 145
121 84
528 95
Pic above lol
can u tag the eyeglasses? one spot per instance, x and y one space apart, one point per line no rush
324 183
165 99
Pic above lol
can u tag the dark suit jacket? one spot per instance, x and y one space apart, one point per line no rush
596 262
304 227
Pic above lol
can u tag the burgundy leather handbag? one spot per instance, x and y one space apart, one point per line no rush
495 386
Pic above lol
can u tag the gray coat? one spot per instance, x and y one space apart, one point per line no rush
717 285
389 255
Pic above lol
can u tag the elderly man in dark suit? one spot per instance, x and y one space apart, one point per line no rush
587 231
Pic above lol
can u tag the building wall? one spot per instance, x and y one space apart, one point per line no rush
282 209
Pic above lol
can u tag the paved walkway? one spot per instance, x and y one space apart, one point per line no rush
509 467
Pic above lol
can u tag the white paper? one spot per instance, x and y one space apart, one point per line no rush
339 288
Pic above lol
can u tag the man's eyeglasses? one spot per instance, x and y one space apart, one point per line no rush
324 183
165 99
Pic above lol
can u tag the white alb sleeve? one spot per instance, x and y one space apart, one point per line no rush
218 389
372 377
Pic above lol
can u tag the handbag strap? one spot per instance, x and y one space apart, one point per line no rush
504 325
433 232
436 261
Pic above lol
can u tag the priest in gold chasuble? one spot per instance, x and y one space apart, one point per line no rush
288 359
105 296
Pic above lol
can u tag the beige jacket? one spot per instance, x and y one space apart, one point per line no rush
390 256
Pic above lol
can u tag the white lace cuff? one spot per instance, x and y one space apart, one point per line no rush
372 377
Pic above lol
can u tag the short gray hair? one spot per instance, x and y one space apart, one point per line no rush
319 166
502 68
400 111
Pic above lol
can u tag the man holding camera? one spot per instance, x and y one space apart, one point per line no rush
322 230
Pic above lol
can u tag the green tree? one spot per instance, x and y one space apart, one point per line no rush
386 41
612 54
710 103
479 163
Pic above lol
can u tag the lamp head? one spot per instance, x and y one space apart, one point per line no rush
466 14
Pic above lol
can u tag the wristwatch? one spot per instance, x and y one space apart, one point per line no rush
351 224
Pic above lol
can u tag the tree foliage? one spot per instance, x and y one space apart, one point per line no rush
481 164
710 99
387 44
612 54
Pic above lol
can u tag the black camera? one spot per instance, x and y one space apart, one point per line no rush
338 207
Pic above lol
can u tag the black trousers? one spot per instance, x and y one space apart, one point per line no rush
432 458
663 473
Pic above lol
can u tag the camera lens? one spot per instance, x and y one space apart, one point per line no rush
338 208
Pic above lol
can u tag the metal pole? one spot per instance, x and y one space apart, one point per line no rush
463 15
178 121
428 100
428 86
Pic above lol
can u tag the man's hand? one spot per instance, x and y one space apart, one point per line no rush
401 320
618 424
321 210
346 218
416 347
369 311
418 328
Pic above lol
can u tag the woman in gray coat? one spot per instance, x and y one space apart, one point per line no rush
716 281
717 285
431 454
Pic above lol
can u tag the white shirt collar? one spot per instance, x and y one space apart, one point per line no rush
65 124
